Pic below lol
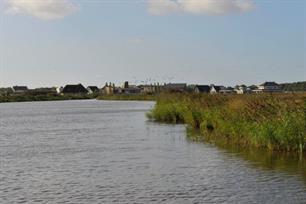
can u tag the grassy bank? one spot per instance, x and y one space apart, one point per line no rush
25 98
275 122
130 97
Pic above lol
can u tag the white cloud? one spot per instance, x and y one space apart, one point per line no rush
162 7
199 7
42 9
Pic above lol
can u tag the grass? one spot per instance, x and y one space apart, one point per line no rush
275 122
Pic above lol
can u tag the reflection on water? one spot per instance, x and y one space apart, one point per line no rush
291 163
107 152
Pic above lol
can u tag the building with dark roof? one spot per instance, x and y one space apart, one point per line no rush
215 89
227 90
201 89
93 89
269 87
20 89
74 89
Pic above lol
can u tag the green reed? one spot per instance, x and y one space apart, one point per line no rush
269 121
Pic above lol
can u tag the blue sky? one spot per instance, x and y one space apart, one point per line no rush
97 41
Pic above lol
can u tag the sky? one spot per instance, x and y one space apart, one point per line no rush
226 42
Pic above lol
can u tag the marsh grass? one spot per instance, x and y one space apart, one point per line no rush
275 122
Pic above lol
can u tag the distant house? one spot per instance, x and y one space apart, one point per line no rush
215 89
130 89
74 89
20 89
269 87
252 87
150 89
201 89
110 88
93 89
59 90
175 87
227 90
242 89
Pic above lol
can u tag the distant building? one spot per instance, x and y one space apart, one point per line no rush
215 89
93 89
74 89
227 90
59 90
20 89
269 87
175 87
130 89
252 87
110 88
201 89
150 89
242 89
125 85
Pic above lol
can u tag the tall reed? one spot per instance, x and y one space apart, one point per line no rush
275 122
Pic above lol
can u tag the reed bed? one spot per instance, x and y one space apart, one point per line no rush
268 121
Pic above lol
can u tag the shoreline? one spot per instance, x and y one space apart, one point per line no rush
275 122
131 97
272 122
36 98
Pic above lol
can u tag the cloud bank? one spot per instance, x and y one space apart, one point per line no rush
199 7
42 9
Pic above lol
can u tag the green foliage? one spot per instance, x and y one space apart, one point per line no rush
297 86
275 122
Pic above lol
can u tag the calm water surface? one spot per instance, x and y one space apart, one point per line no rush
107 152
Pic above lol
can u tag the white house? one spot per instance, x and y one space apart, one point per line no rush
216 89
269 87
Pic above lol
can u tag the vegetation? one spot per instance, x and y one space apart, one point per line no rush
275 122
297 86
130 97
41 97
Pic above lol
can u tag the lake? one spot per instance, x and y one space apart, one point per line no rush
92 151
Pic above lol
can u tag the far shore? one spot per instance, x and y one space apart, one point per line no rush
32 98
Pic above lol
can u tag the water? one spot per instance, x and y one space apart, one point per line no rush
107 152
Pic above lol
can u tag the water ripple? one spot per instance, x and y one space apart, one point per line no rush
106 152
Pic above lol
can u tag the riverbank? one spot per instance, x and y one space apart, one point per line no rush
130 97
48 97
28 98
276 122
